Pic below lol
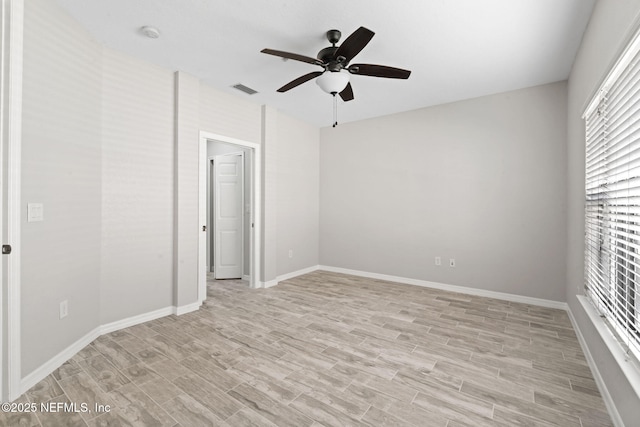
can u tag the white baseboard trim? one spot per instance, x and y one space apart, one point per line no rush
246 277
297 273
451 288
288 276
51 365
615 350
184 309
135 320
269 284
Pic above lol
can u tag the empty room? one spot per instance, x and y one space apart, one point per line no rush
276 213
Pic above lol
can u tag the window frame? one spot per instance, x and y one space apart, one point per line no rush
612 246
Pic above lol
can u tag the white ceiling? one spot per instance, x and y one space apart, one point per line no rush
456 49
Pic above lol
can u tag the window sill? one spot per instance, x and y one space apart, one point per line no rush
628 366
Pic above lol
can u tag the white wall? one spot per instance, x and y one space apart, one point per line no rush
481 181
61 168
228 115
610 26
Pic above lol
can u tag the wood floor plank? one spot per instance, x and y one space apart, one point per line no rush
416 415
380 418
372 396
597 415
81 388
136 407
466 410
509 417
323 413
247 418
45 390
188 412
104 373
276 412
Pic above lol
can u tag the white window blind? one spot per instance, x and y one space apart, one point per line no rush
612 212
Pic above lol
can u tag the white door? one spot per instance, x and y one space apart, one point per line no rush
228 216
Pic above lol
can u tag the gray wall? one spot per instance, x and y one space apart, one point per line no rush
481 181
61 168
298 188
610 26
137 187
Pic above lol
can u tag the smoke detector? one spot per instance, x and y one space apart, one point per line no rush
149 31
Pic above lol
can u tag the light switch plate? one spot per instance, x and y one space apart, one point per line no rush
35 212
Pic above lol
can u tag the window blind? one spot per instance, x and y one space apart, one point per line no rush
612 209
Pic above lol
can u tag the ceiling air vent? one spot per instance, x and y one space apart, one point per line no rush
245 89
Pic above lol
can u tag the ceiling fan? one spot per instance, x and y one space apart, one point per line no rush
334 79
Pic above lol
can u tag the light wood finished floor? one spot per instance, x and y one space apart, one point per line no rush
328 349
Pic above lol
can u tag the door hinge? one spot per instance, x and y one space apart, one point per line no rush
6 249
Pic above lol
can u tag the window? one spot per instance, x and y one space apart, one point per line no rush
612 211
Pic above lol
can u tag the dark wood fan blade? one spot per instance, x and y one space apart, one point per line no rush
379 71
300 80
347 93
295 56
354 44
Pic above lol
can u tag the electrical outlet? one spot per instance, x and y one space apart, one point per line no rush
438 260
64 309
452 262
290 253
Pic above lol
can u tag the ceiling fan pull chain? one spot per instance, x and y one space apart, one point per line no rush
335 110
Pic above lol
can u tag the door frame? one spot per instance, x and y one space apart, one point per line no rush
212 206
255 215
12 15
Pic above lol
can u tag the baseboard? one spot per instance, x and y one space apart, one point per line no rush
51 365
246 277
602 387
297 273
269 284
184 309
135 320
287 276
54 363
451 288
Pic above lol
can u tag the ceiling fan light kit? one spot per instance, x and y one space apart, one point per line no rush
334 59
333 82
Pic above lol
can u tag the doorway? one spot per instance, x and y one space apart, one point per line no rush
229 205
251 208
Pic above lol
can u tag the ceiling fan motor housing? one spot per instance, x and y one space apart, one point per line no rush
327 54
334 36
